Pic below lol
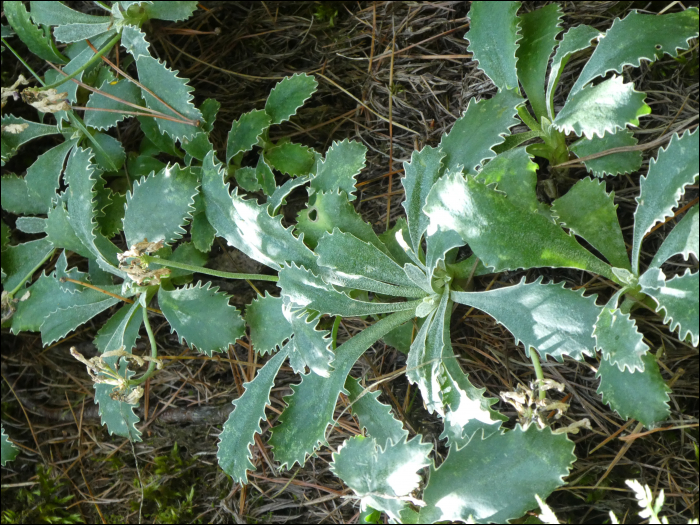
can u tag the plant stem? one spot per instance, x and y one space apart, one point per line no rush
148 259
37 77
538 371
107 47
154 352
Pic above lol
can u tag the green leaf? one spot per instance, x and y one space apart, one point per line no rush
310 408
574 40
615 164
245 132
118 416
122 329
659 192
265 177
424 362
503 473
15 197
552 319
419 177
289 95
122 89
312 348
247 225
684 239
60 232
12 141
501 234
160 205
381 475
43 177
202 316
301 287
327 211
111 205
79 32
539 29
110 155
56 13
492 39
38 41
347 254
591 213
244 422
134 41
292 159
636 38
467 411
81 179
484 125
374 416
9 450
618 339
173 90
47 296
277 199
641 395
202 232
21 261
400 338
269 328
601 109
174 11
678 297
515 174
247 179
160 140
64 320
344 161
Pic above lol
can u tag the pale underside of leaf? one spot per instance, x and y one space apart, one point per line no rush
601 109
424 362
660 191
548 317
505 470
303 288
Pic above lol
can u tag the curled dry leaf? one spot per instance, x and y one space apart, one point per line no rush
46 101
